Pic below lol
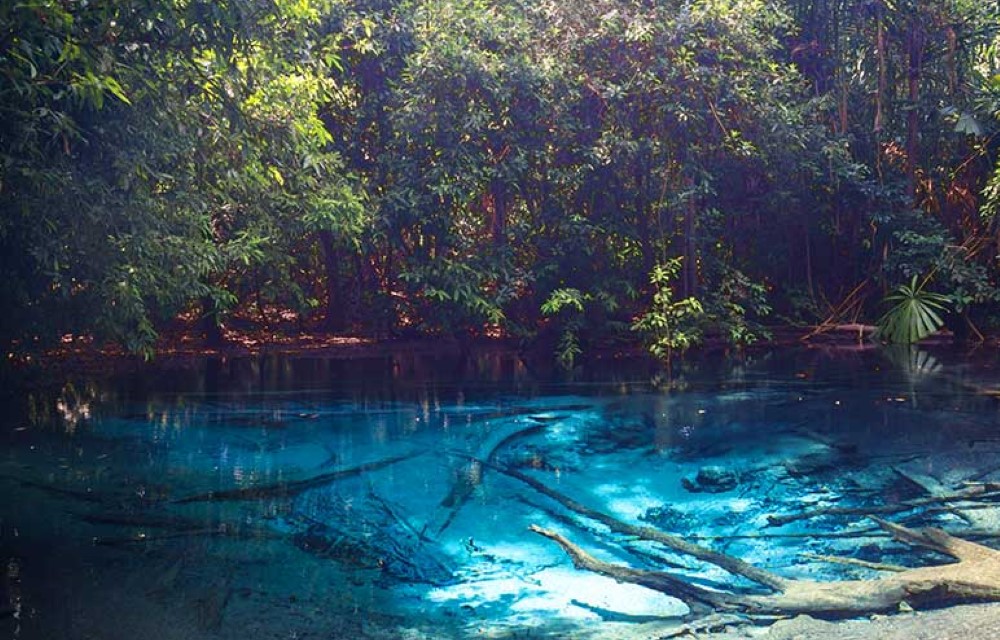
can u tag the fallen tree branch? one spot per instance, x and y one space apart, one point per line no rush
143 520
388 510
209 532
875 566
698 598
868 532
467 479
850 307
729 563
63 492
644 555
974 578
289 489
974 492
935 488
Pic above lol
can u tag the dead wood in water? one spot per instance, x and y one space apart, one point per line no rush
290 489
675 543
524 421
63 492
207 532
143 520
975 577
854 562
934 488
848 310
974 493
210 605
468 478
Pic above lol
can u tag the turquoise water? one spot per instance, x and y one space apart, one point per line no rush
312 498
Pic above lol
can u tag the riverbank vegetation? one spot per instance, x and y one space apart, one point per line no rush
567 174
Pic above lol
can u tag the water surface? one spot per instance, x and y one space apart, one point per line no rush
313 498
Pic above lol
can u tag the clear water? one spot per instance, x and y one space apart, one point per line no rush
354 508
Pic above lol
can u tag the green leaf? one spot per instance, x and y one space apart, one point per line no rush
968 125
116 90
914 314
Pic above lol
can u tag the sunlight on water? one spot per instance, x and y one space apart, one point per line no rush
322 505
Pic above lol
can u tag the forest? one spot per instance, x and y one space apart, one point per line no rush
566 174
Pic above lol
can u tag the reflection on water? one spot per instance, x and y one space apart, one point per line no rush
298 497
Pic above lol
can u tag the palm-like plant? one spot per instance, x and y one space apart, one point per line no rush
915 314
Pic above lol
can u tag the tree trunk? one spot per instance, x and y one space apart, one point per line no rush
690 264
211 326
882 80
498 220
915 46
335 319
809 269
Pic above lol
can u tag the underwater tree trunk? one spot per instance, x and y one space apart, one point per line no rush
974 578
295 487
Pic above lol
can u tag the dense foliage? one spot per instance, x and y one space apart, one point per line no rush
568 173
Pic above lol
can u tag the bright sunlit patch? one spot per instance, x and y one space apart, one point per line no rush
477 593
633 500
633 506
562 592
563 586
739 505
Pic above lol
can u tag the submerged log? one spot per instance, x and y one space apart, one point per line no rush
470 476
854 562
675 543
206 532
973 493
975 577
210 605
932 487
291 489
142 538
376 541
143 520
63 492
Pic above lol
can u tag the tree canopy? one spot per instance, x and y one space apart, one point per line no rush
567 173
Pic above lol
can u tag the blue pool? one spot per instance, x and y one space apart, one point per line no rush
384 498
